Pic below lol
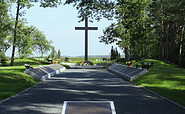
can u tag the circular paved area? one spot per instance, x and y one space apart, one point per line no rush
87 85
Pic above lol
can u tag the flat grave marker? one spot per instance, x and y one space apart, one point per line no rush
88 107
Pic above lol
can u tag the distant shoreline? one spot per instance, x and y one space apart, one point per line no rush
94 56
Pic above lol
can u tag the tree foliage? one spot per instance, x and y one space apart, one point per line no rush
53 52
114 54
22 4
41 44
59 54
5 27
30 39
24 42
143 28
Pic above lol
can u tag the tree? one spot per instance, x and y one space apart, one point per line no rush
112 53
59 54
5 27
26 3
24 37
147 28
41 44
118 34
116 53
93 8
169 21
20 5
130 16
53 52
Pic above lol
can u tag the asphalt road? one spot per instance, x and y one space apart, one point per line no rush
87 85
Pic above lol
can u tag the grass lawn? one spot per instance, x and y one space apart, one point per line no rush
165 79
76 60
13 80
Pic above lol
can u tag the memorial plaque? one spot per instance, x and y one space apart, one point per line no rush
128 73
88 107
44 72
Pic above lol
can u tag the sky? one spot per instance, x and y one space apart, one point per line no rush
58 24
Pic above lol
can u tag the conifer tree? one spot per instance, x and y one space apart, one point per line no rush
112 53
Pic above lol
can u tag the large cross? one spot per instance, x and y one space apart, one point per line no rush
86 28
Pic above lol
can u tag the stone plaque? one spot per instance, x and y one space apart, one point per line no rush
88 107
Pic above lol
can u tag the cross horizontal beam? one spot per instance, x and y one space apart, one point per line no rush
86 28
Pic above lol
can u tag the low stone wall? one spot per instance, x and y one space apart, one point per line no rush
44 72
128 73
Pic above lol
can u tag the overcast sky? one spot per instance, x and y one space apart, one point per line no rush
58 24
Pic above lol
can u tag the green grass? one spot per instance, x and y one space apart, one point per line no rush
13 81
165 79
22 62
76 60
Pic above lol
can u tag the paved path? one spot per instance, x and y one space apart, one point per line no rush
87 85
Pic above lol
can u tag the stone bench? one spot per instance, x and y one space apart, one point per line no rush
128 73
44 72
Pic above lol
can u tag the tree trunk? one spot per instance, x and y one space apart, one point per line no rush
181 47
145 47
15 34
42 52
176 35
148 52
155 54
134 52
130 51
167 43
127 53
141 49
161 42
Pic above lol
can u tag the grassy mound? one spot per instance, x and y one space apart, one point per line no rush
165 79
31 61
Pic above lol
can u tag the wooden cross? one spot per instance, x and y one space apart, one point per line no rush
86 28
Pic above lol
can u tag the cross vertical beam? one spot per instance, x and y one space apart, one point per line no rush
86 39
86 28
